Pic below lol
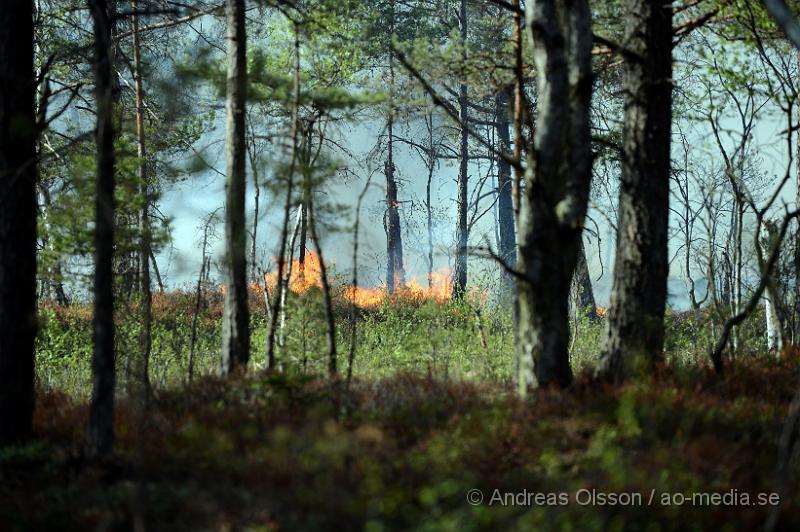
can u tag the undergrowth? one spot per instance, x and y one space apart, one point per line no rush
429 416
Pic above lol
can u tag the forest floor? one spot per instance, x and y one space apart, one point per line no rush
407 452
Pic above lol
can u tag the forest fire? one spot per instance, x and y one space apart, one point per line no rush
308 275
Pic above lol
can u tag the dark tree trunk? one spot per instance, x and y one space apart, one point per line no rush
302 248
235 326
505 204
101 419
431 164
256 202
146 339
554 202
462 229
56 281
796 331
18 174
583 286
635 336
395 272
154 262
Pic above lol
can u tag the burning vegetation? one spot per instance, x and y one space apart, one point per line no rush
306 274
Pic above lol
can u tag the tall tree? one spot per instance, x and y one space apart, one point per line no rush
235 331
144 217
462 196
796 313
395 271
635 333
18 175
101 419
505 207
557 179
583 287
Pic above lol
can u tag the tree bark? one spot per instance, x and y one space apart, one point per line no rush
796 331
775 316
256 201
154 262
395 272
773 338
101 418
303 233
431 165
505 202
462 229
583 287
287 279
330 320
18 175
635 334
235 324
198 297
56 280
146 340
554 202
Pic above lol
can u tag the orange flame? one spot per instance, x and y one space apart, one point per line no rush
304 278
439 291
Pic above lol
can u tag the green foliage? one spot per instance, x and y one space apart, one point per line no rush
443 340
290 451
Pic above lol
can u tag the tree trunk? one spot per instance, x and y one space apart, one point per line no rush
256 202
154 262
235 319
505 203
635 334
56 280
330 321
431 164
303 246
101 419
18 174
280 286
395 272
773 338
583 287
738 266
198 297
462 229
711 265
554 202
146 340
796 331
773 297
287 278
519 107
